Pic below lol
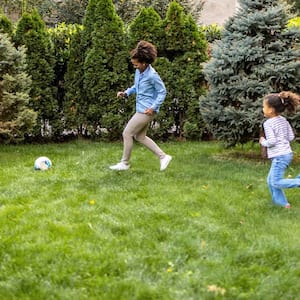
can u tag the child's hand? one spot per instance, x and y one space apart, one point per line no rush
261 139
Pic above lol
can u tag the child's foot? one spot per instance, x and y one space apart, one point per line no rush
287 206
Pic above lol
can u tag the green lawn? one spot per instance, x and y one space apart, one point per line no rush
203 229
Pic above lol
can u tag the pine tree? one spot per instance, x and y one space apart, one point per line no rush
106 71
16 119
255 56
31 32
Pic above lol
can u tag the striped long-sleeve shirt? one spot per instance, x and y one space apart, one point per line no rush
278 135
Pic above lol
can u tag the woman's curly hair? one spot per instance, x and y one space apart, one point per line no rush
144 52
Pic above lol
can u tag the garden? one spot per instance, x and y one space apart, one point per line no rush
206 227
203 229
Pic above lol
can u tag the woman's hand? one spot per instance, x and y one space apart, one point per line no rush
121 94
149 111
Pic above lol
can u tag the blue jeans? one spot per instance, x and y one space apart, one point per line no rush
275 179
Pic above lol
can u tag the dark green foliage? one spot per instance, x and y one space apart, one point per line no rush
129 9
6 25
106 71
146 26
31 32
61 36
296 5
255 56
212 32
76 104
71 11
75 100
185 50
16 119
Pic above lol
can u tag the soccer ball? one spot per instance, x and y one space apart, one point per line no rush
42 163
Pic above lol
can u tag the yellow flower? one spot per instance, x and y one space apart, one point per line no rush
92 202
195 214
170 268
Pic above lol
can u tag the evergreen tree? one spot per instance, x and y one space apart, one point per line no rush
296 5
185 49
31 32
75 99
71 11
255 56
146 26
129 9
60 37
106 71
16 119
6 25
76 103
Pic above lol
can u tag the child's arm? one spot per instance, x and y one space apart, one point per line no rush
270 139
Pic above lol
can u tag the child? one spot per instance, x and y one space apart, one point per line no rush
150 93
278 135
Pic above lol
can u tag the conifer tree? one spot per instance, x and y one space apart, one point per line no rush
6 25
31 32
256 56
76 100
185 49
16 119
106 71
147 25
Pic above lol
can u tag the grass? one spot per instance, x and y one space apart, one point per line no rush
203 229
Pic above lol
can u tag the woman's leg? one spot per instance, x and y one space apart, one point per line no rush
137 128
142 138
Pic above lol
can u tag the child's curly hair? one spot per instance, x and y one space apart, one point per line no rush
283 101
144 52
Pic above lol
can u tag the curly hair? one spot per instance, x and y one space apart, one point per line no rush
283 101
144 52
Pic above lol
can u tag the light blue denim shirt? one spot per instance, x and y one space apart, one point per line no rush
149 89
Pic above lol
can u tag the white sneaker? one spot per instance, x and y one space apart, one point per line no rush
120 167
164 162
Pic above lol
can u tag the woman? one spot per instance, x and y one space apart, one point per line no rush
150 93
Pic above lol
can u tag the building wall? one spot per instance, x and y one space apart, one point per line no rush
217 11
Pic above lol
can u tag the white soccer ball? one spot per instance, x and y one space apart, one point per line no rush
42 163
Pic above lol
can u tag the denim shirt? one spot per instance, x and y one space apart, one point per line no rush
149 89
